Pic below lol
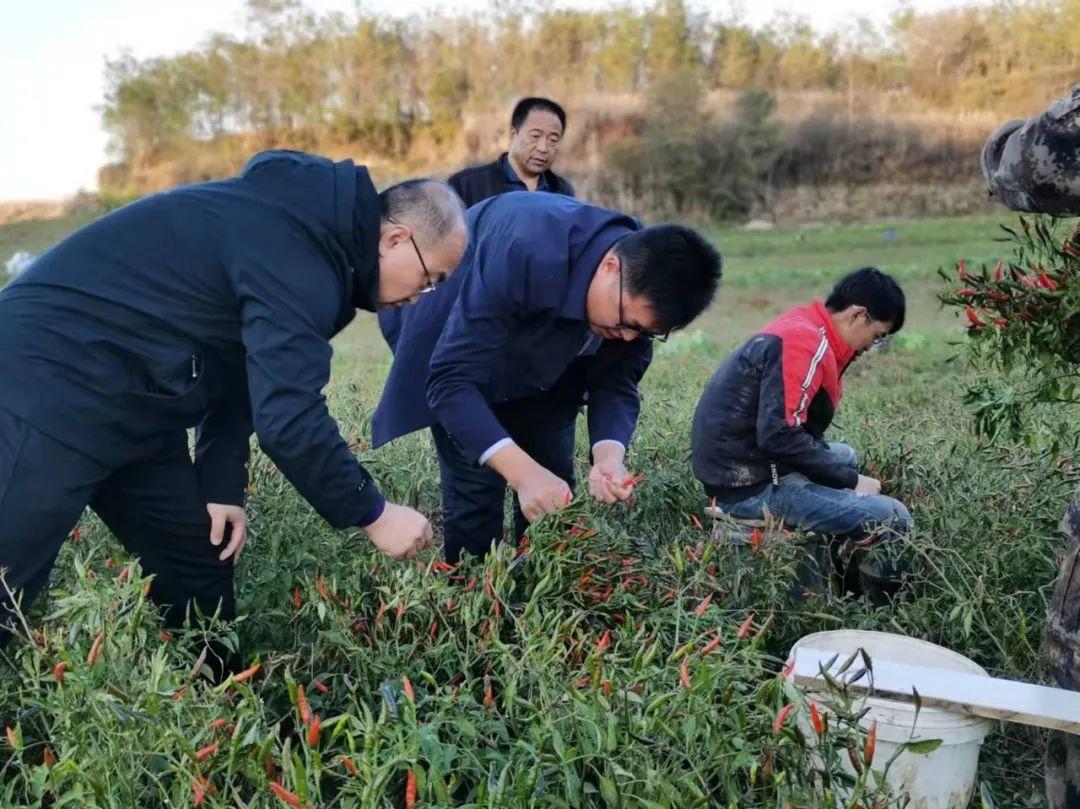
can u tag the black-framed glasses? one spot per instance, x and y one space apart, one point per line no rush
430 285
652 336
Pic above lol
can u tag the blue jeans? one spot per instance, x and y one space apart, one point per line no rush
803 504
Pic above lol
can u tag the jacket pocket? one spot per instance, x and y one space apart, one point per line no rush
174 393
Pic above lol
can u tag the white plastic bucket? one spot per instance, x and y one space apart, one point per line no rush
944 778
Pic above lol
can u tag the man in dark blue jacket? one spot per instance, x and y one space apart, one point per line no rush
537 126
555 303
208 306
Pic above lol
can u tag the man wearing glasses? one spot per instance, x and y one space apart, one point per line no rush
209 306
556 303
758 432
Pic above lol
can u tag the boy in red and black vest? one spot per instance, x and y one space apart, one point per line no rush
759 430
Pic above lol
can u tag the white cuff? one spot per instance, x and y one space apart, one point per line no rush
493 449
619 444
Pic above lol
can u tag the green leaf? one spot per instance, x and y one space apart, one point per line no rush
922 747
608 791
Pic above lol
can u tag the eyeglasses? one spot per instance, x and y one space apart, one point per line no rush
430 285
651 336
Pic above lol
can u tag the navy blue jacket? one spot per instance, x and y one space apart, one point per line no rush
477 183
511 323
209 305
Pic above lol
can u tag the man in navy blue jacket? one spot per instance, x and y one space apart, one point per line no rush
556 303
208 306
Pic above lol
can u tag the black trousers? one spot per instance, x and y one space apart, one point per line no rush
472 495
154 507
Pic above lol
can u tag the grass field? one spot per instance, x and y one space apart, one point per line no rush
520 698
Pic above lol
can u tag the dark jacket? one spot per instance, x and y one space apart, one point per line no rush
765 411
209 305
478 183
511 323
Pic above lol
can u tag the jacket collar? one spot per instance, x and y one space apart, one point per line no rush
841 350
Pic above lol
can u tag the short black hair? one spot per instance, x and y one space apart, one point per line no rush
427 205
673 267
877 291
527 105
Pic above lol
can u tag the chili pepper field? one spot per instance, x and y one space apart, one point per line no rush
617 657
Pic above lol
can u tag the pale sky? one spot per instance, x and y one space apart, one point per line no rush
52 56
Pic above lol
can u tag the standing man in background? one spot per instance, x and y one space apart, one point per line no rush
537 126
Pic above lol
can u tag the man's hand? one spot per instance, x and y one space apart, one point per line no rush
400 532
868 485
540 492
234 516
608 476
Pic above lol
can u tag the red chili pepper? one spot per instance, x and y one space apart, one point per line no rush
1029 281
349 765
321 586
781 717
966 293
710 647
407 686
756 538
696 522
58 671
122 576
247 674
75 534
634 481
974 318
607 688
788 668
198 790
313 732
997 271
218 723
207 751
302 706
410 790
693 556
961 270
604 642
1071 248
584 681
854 758
288 797
871 744
1046 282
95 649
11 737
815 719
471 585
297 600
400 610
433 631
146 588
320 686
704 605
268 766
379 614
47 757
179 695
489 698
744 630
684 674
